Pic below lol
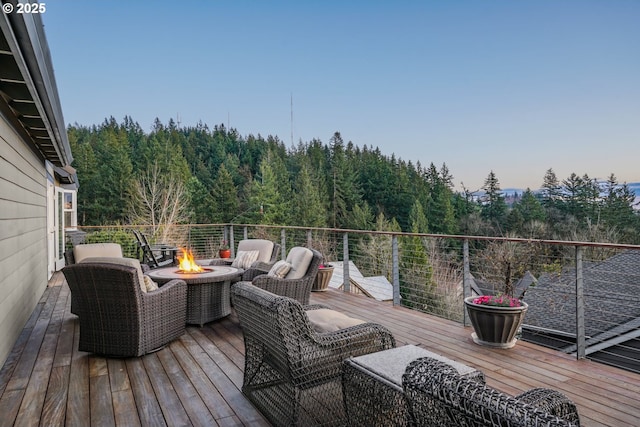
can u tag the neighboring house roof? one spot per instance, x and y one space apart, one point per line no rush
377 287
481 287
28 92
612 302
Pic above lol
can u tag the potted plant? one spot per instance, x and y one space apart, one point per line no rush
496 319
223 250
325 271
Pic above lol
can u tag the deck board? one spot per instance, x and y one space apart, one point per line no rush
196 380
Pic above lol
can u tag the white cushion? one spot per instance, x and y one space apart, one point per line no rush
299 258
149 284
244 259
129 262
279 269
92 250
326 320
264 247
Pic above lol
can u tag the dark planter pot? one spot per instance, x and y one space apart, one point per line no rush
322 279
495 326
224 253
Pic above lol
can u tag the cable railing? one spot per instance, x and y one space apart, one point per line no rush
584 297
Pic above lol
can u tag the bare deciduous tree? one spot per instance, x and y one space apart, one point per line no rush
159 202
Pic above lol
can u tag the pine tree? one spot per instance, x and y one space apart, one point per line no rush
494 208
344 186
308 209
225 197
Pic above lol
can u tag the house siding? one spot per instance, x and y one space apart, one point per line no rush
23 234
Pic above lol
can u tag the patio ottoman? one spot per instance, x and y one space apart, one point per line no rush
372 385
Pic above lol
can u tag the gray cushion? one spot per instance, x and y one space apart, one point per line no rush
129 262
299 258
91 250
264 247
326 320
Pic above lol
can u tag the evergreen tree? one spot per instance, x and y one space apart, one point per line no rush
115 170
530 207
551 190
361 217
416 272
269 191
201 205
225 197
618 211
440 209
494 208
344 185
308 208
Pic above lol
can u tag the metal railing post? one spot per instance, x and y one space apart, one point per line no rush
283 243
395 270
580 326
245 232
346 286
231 243
309 239
466 278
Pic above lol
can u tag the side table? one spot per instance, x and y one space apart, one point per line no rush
372 385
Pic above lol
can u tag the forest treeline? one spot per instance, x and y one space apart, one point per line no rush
196 174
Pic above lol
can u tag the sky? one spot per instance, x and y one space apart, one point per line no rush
513 87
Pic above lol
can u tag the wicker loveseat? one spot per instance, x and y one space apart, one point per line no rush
292 373
437 395
117 318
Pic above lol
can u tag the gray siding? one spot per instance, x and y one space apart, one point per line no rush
23 234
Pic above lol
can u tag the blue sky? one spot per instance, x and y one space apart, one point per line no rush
516 87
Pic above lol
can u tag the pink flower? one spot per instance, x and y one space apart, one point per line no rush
497 300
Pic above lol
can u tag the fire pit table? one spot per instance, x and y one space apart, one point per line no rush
207 292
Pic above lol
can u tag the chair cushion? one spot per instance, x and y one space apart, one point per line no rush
129 262
149 284
280 269
326 320
92 250
264 247
299 258
244 259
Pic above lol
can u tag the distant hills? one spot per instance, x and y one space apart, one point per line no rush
633 186
510 192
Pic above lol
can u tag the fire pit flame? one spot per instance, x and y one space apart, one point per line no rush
187 264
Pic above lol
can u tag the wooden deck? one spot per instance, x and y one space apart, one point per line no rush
196 380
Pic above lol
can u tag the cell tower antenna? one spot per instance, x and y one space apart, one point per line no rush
178 119
291 119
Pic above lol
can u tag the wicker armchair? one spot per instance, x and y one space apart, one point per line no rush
116 317
292 373
437 395
298 289
90 250
268 255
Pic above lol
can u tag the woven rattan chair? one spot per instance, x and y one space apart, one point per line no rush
292 373
437 395
116 317
298 289
90 250
268 255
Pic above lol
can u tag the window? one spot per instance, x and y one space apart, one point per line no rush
69 210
